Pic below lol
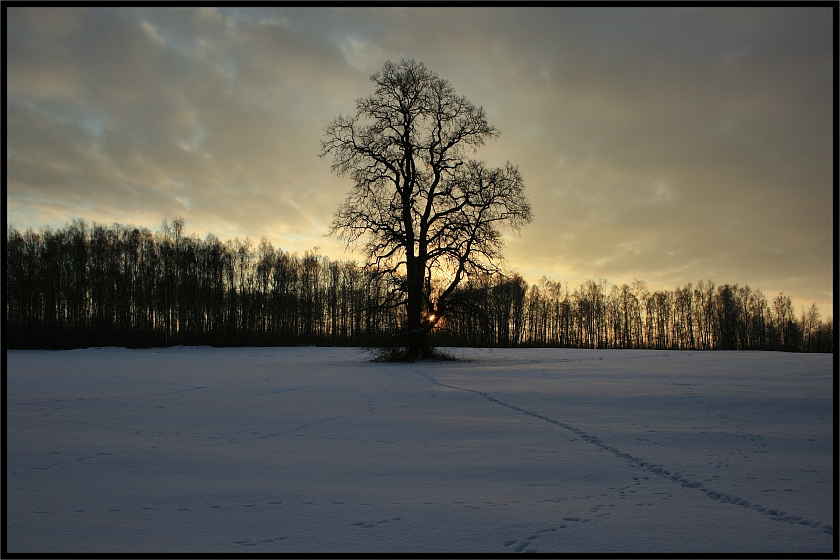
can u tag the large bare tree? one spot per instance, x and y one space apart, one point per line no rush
426 215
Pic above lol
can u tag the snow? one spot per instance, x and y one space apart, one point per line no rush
212 450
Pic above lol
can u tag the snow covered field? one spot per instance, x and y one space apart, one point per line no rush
317 450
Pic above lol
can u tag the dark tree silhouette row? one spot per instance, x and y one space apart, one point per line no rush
496 311
125 286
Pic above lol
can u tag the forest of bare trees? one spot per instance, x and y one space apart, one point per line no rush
507 312
118 285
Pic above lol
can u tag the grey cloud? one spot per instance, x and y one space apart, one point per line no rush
177 124
664 144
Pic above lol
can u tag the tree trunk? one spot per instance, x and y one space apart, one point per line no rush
415 339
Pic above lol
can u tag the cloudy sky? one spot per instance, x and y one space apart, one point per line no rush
668 145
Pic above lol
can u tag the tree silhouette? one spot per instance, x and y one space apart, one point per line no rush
428 216
99 285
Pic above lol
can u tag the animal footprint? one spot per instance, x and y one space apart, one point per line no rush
263 541
520 546
524 545
367 525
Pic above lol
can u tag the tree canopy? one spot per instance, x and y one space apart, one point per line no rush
426 214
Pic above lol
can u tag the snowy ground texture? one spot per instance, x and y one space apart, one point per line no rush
212 450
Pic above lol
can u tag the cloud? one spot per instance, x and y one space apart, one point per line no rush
664 144
184 112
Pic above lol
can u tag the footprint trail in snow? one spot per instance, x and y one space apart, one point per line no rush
659 470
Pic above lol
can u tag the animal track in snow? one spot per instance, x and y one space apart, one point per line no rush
527 544
646 466
368 525
99 455
259 542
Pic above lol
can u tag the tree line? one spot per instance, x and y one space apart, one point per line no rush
497 311
99 285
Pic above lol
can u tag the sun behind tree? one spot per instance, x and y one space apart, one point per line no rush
421 208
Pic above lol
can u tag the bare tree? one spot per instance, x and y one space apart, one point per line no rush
420 207
810 327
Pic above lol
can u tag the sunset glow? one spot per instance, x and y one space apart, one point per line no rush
666 145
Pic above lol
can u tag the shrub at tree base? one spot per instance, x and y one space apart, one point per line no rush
396 349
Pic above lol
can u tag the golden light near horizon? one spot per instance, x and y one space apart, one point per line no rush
668 145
